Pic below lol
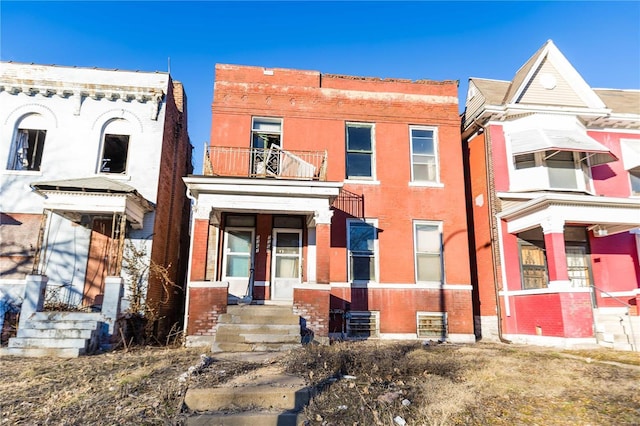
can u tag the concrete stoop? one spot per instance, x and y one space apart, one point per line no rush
57 334
250 328
263 398
618 331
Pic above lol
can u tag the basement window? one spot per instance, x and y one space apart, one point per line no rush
363 324
114 154
431 325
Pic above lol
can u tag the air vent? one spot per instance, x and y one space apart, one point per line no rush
363 324
432 325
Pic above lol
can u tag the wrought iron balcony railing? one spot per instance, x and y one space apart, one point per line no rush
272 162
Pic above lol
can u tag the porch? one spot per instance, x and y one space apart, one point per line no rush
565 259
260 234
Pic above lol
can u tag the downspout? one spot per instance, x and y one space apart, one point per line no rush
189 260
492 227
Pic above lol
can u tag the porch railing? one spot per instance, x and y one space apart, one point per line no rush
627 313
272 162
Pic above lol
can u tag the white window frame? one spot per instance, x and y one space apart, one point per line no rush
437 224
436 155
270 120
375 253
536 177
226 253
372 127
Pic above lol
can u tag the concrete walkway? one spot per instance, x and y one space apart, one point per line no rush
263 397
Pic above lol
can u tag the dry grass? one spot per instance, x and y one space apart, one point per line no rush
440 385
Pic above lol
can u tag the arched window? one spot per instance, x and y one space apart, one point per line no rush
28 143
115 146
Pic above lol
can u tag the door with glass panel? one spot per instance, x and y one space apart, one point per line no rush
287 263
237 265
578 266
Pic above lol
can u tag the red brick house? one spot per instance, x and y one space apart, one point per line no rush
341 197
554 180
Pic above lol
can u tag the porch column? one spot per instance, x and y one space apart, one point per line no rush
553 229
199 240
323 243
34 291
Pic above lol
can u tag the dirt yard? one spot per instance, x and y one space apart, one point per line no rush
365 383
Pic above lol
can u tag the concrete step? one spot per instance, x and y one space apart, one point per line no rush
246 318
63 324
43 352
258 338
288 394
56 333
67 316
44 343
252 418
253 347
234 329
257 310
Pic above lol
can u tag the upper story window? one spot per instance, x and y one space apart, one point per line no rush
634 177
28 144
115 153
424 154
266 138
362 245
27 151
558 170
266 132
360 150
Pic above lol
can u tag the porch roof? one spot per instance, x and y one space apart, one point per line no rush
73 198
260 195
604 215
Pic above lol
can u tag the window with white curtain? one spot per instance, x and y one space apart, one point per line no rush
424 154
428 251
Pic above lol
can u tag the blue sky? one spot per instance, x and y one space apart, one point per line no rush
416 40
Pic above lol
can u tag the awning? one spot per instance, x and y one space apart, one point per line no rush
630 153
73 198
536 140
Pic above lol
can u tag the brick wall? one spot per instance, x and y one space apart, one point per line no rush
170 247
205 305
313 307
18 241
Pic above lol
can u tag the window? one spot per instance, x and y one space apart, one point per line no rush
634 177
238 248
27 151
525 161
424 157
562 169
362 244
428 251
114 154
266 137
359 150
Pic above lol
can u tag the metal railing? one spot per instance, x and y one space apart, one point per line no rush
272 162
627 314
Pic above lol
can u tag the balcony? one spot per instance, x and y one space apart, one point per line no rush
272 162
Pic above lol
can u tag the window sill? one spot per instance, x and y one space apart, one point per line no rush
115 176
427 184
362 182
23 172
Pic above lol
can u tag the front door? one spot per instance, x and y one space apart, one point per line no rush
237 267
287 263
99 248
